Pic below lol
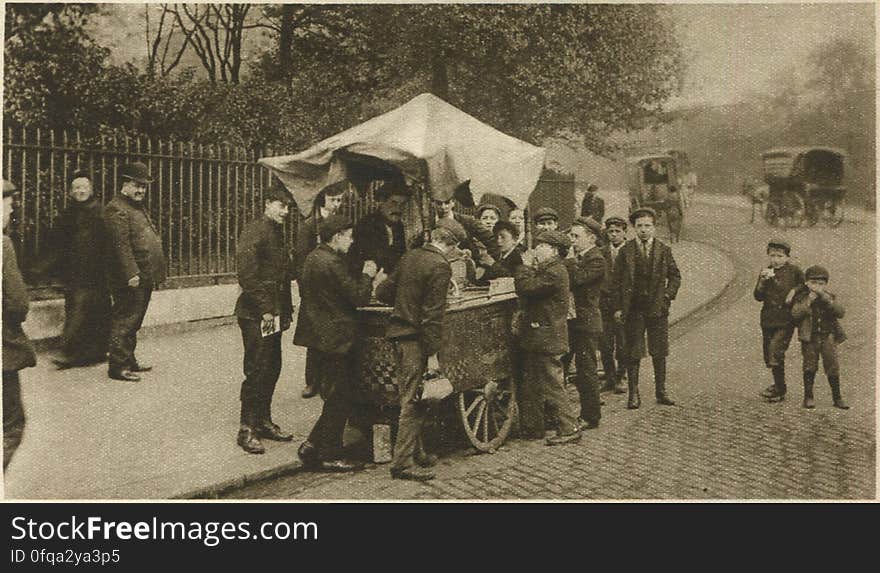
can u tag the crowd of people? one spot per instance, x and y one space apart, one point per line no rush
583 292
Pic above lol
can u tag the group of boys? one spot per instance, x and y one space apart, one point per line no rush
794 299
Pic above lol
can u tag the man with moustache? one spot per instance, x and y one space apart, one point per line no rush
380 236
137 267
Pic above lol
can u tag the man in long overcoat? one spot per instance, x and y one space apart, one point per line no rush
137 266
18 353
646 281
327 326
264 310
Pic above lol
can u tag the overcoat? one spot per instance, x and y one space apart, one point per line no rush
371 243
543 292
773 292
803 312
18 352
587 275
135 244
329 296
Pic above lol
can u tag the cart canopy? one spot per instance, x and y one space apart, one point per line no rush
808 163
426 140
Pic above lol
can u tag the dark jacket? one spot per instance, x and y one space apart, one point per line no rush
543 292
776 311
418 289
587 275
593 206
607 299
18 352
371 243
135 244
264 272
803 313
477 235
329 296
665 278
79 246
504 267
306 240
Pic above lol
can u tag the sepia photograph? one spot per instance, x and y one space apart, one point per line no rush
451 251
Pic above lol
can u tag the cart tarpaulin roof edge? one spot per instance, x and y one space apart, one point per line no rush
425 137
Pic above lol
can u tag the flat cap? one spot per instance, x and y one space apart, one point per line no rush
332 225
506 226
553 237
278 192
452 226
488 207
641 212
816 272
779 243
545 213
619 221
9 188
136 171
589 224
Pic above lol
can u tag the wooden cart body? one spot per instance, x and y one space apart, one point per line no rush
477 355
806 184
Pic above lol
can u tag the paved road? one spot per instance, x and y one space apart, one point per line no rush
723 442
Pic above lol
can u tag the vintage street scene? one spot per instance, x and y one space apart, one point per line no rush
439 251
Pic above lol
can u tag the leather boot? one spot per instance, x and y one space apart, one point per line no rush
266 428
247 435
779 387
634 400
660 381
834 382
809 378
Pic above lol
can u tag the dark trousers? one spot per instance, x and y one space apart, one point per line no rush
824 346
587 381
86 331
611 346
775 342
334 373
543 381
262 366
411 365
637 323
311 373
129 308
13 415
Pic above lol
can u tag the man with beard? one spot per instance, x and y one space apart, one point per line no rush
138 266
78 255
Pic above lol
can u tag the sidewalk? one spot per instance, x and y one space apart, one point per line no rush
173 434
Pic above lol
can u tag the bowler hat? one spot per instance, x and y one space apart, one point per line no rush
553 238
779 243
136 171
816 272
641 212
453 226
278 192
619 221
545 213
332 225
9 188
589 224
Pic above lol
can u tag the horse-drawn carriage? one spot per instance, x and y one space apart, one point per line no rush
805 185
653 181
477 353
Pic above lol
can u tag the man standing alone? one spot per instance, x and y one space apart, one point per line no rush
264 310
137 267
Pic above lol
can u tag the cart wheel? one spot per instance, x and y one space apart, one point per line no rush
812 213
793 208
835 213
488 413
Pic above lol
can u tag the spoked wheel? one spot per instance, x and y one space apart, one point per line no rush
833 212
794 209
488 413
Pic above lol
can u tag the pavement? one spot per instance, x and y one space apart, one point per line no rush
173 434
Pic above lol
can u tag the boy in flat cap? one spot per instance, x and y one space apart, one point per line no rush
817 313
327 326
18 352
264 310
327 203
546 219
137 267
646 281
587 274
774 284
611 344
544 297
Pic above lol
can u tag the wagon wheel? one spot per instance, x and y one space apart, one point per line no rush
487 413
834 213
812 212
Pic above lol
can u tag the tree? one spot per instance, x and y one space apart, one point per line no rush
162 59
